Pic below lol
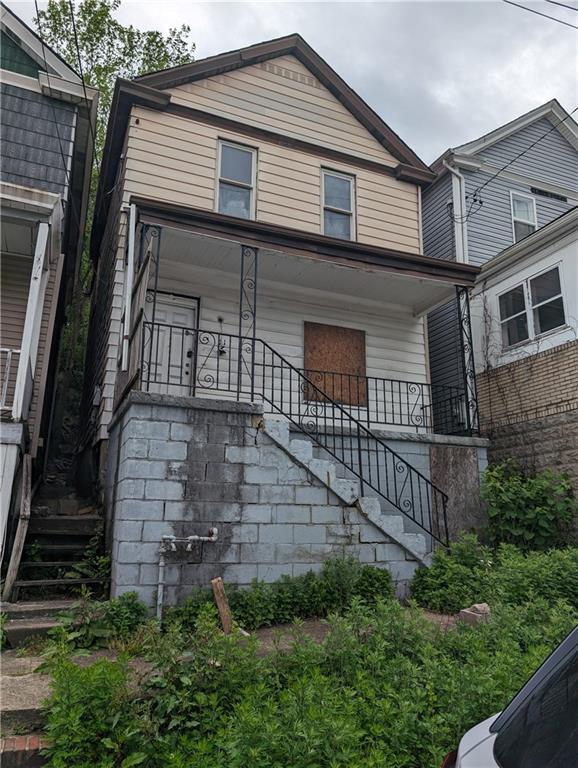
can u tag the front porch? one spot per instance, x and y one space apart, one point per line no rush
307 336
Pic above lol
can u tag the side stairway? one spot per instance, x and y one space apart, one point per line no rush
62 546
335 476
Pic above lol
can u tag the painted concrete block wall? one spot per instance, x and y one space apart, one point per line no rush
187 465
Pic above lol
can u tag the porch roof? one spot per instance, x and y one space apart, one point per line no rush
311 262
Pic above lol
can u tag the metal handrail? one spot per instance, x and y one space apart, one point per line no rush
380 401
211 361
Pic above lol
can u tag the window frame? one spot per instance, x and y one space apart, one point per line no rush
252 187
529 307
353 201
515 219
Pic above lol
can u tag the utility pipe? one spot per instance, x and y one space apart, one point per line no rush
460 222
169 544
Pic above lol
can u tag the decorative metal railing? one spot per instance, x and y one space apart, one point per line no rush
379 402
8 366
190 362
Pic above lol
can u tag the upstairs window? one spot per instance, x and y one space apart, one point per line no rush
523 215
338 205
237 170
531 309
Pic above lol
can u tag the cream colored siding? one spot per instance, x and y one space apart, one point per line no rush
282 95
174 159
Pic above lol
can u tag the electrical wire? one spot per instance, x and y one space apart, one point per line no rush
539 13
563 5
476 194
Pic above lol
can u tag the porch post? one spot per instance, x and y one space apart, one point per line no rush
155 248
247 313
468 366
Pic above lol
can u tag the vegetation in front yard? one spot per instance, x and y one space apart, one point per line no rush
530 511
298 597
470 572
385 688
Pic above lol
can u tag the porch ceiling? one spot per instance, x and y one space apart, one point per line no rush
309 273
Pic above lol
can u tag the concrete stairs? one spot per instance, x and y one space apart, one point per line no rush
31 619
330 472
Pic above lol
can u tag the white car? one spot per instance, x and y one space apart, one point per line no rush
538 728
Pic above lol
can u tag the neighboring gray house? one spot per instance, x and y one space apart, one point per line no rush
46 158
474 209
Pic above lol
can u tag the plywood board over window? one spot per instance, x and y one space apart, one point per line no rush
335 362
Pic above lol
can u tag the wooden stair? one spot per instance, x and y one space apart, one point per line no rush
55 545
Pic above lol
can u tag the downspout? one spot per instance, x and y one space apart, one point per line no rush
169 544
460 222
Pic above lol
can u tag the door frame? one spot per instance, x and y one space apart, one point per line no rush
195 303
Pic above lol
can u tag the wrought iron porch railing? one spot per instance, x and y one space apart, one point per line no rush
8 366
392 402
190 362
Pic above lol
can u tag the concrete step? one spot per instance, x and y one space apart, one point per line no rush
18 631
34 609
23 693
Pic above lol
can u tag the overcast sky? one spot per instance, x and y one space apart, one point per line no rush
439 73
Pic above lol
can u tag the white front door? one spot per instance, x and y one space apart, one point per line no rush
169 345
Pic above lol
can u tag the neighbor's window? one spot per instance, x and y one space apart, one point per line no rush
237 166
523 216
547 302
532 308
338 205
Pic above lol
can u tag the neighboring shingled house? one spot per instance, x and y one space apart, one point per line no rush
474 209
46 158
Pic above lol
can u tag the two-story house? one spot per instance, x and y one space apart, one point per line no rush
258 247
504 202
489 194
47 118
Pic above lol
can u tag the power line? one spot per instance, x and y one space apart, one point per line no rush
79 57
539 13
528 148
475 196
563 5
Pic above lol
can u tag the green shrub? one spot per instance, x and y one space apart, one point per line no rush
471 573
92 623
340 580
532 512
385 688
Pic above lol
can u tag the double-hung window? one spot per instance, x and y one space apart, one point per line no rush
338 205
523 215
532 308
237 174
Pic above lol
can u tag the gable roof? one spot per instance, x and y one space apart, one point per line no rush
293 45
150 91
551 110
34 47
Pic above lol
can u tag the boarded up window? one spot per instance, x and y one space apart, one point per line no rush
335 363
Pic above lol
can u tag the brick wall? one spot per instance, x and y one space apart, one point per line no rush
529 410
530 388
183 469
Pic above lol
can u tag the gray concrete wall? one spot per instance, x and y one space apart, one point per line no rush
185 465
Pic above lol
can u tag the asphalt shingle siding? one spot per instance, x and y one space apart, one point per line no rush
37 139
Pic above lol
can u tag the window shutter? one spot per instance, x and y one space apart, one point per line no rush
335 362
